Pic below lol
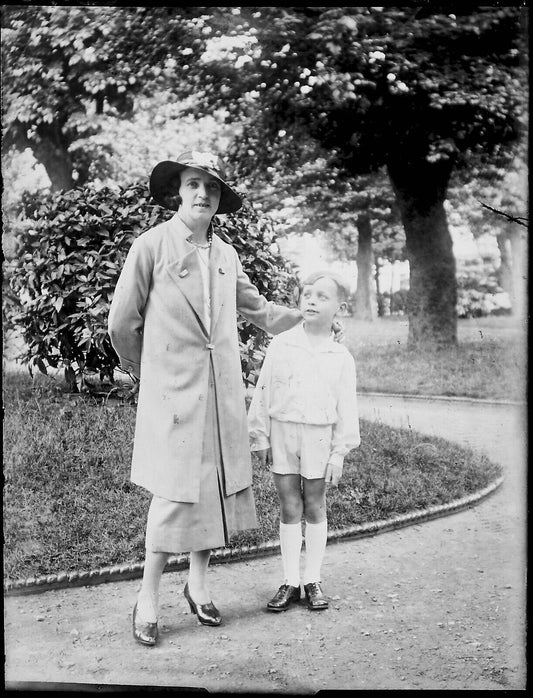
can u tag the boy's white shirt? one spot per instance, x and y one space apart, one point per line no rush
306 384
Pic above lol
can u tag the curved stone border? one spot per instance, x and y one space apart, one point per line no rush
35 585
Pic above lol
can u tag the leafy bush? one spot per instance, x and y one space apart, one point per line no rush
478 291
67 261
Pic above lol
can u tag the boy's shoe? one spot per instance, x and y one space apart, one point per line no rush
283 598
316 601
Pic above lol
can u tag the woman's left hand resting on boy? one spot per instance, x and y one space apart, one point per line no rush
333 473
265 456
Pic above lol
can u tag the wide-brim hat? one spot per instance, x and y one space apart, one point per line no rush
165 171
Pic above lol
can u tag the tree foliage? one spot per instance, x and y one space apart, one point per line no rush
68 260
413 91
65 67
419 91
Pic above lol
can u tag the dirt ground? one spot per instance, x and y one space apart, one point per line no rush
440 605
432 606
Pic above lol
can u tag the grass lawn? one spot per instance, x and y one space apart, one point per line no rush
489 360
69 504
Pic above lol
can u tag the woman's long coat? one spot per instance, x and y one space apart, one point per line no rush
157 327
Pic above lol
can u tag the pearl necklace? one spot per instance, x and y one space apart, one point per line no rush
197 244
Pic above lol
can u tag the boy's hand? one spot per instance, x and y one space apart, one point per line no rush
265 456
333 473
338 329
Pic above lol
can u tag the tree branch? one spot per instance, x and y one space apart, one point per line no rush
514 219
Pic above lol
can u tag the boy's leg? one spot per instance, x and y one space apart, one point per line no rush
290 527
316 536
316 527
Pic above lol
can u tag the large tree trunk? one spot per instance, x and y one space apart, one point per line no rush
51 150
420 190
364 295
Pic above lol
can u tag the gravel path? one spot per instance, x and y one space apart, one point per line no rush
439 605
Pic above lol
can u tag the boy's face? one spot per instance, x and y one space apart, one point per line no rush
319 303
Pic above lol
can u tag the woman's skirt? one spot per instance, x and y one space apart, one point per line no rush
178 527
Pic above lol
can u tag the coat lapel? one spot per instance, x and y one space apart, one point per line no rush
186 274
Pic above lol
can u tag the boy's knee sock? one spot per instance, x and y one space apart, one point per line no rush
290 536
316 536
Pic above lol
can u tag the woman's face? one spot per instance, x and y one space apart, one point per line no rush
200 195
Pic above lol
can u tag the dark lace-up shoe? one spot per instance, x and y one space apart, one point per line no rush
316 601
285 595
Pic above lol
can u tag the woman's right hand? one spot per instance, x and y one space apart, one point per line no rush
265 456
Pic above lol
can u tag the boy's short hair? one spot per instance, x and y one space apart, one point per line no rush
343 289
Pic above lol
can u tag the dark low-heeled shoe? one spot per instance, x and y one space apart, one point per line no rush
316 601
207 613
283 598
145 633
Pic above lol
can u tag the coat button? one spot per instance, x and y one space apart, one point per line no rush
183 273
209 346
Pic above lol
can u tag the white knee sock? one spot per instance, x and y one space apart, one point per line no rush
316 536
290 536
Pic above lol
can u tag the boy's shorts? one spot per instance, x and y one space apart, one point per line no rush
300 449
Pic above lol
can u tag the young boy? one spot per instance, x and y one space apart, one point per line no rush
303 420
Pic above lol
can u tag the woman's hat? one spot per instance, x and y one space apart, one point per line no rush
165 171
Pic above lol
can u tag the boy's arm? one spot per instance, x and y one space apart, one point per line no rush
258 412
346 434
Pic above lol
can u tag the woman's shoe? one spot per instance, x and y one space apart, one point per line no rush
283 598
316 601
145 633
207 613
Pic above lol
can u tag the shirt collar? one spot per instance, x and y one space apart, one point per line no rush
300 338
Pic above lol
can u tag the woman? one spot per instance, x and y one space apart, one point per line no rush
173 324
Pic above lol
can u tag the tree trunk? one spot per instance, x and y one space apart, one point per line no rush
364 295
379 295
51 150
505 271
518 239
512 274
420 190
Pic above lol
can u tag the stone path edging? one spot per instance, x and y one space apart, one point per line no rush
102 575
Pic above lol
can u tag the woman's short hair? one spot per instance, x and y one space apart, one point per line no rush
171 195
343 289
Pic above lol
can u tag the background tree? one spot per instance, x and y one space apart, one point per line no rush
64 68
502 190
354 214
419 91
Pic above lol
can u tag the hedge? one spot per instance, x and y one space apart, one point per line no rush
67 260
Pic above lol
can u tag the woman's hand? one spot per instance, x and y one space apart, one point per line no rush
338 329
265 456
